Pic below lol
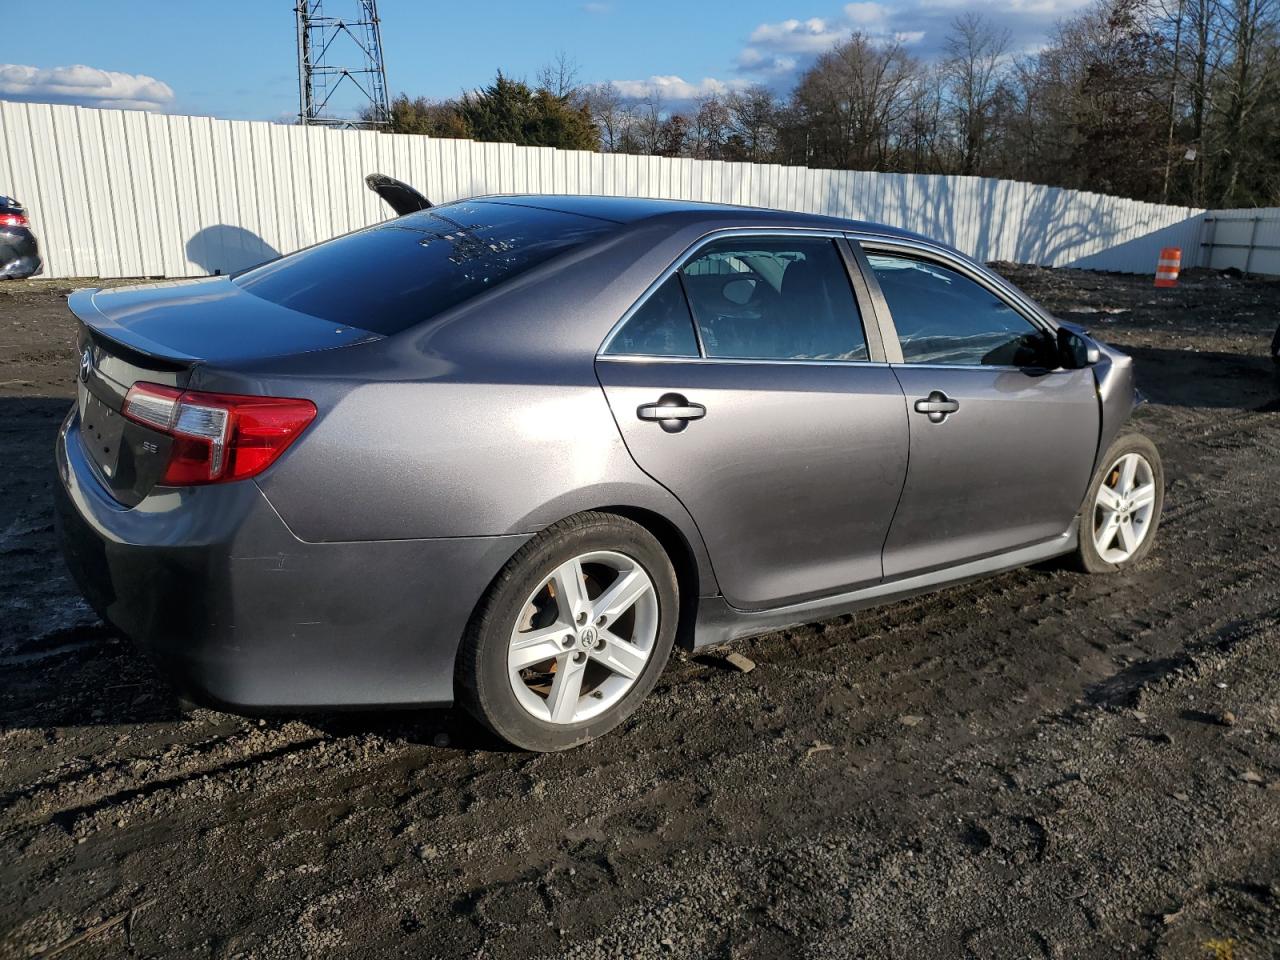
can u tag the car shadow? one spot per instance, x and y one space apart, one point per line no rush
223 248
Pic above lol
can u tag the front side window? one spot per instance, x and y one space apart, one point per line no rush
944 317
662 327
774 298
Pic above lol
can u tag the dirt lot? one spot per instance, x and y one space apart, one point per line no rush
1040 765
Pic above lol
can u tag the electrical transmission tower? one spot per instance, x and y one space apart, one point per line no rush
336 53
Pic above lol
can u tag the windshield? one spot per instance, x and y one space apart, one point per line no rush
400 273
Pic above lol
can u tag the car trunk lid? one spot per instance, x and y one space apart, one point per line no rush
162 333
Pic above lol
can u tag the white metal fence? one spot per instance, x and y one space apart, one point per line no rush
1248 240
125 194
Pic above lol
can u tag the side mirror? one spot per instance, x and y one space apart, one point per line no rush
1076 351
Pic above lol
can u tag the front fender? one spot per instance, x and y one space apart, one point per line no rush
1117 395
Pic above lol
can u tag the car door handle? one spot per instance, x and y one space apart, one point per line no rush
672 412
938 406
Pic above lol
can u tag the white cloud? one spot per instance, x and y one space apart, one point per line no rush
1038 8
85 86
752 60
779 49
799 36
866 14
672 88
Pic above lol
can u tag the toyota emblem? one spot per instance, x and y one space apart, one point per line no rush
86 364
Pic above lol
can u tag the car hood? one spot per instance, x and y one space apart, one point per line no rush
208 320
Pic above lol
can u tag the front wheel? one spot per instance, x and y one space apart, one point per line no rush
1122 510
572 634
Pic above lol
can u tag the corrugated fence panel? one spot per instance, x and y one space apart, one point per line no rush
1246 240
116 194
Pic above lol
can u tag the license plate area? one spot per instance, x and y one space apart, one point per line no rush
101 433
128 458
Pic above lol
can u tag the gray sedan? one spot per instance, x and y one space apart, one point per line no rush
509 451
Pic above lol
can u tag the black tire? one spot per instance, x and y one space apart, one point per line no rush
1087 558
481 680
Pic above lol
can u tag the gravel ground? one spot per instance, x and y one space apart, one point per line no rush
1039 765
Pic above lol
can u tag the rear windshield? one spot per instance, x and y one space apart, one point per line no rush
390 277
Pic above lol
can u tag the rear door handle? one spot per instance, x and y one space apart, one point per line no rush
672 412
938 406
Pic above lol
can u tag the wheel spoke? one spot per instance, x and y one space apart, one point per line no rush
1107 534
1128 470
537 646
571 591
1108 498
1128 536
1144 495
621 595
620 656
566 688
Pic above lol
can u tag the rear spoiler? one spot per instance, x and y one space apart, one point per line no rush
401 197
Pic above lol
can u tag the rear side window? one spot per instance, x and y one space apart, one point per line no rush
774 298
662 327
390 277
944 317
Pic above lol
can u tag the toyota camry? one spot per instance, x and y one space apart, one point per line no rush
508 451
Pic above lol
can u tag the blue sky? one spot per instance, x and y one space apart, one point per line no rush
236 58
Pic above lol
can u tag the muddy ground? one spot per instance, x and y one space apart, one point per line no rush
1040 765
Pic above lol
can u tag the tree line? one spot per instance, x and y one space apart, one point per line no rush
1163 100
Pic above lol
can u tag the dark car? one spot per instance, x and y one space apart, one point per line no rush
508 451
19 251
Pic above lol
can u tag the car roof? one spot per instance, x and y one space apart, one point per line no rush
635 210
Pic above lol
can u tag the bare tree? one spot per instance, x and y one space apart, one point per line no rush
753 123
560 77
974 55
1250 29
852 101
609 111
644 128
710 128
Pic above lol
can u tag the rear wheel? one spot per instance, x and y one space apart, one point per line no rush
1122 511
572 635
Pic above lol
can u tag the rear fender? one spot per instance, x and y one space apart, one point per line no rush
648 504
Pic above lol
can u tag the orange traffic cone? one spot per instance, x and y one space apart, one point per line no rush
1167 267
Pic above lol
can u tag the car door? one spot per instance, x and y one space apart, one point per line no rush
745 383
1002 439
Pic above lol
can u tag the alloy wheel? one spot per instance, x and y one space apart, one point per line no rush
1123 508
583 637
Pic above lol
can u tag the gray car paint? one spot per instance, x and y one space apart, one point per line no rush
239 612
792 475
438 451
1008 469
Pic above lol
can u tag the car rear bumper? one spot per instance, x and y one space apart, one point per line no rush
19 254
240 613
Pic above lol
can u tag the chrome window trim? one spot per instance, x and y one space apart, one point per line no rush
693 248
665 358
982 366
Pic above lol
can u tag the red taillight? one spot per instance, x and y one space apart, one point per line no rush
217 436
12 220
